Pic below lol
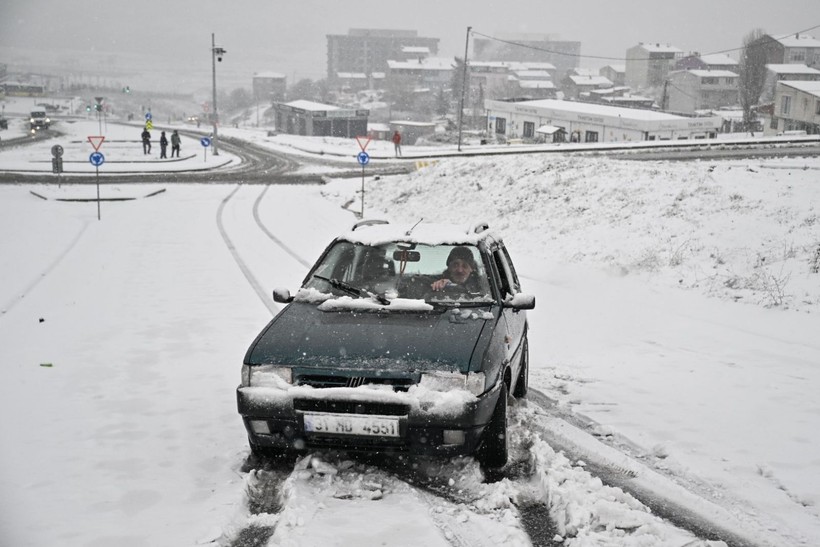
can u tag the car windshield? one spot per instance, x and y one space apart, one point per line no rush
403 270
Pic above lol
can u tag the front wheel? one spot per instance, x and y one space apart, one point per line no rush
493 452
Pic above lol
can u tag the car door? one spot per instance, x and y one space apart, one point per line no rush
515 320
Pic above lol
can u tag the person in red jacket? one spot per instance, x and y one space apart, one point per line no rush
397 143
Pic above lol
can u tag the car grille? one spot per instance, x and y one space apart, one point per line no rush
325 381
358 444
351 407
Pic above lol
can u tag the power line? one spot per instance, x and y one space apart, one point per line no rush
602 57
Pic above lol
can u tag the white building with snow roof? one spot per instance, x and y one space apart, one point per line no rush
589 122
314 119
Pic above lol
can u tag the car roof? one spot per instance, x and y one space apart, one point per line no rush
376 232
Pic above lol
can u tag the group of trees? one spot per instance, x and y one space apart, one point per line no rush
755 54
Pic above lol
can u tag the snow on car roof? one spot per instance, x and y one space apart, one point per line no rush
379 232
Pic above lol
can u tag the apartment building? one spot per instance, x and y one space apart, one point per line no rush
648 64
366 51
691 90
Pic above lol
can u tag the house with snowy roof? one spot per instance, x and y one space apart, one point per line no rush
614 73
714 61
796 108
573 85
688 91
786 72
792 49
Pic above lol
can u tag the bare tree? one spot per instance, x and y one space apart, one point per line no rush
753 61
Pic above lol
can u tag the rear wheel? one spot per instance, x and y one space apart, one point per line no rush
522 385
493 452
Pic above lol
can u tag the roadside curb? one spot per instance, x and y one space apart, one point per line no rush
85 200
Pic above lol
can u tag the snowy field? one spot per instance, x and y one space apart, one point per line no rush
678 306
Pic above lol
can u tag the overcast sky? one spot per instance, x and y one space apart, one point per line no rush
174 36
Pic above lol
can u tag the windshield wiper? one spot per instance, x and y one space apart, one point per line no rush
460 303
354 291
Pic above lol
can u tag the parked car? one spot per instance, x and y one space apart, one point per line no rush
368 356
4 123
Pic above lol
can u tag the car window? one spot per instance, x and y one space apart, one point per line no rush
514 283
399 270
503 267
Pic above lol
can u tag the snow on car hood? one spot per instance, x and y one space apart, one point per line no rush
304 335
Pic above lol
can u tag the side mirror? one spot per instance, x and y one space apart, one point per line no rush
521 301
282 296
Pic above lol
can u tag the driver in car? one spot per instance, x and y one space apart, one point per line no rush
460 269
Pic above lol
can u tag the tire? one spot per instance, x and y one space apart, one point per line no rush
522 385
493 452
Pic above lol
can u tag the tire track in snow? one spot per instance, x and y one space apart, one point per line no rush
33 284
270 235
243 266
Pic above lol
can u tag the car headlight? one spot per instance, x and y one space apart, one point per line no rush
448 381
266 376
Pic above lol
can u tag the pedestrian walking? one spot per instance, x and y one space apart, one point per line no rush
163 145
146 141
175 143
397 143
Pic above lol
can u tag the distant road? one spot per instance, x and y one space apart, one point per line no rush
749 151
261 165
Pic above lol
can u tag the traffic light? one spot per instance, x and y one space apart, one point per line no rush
126 89
98 107
88 108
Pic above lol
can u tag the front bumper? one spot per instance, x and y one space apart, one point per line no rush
424 429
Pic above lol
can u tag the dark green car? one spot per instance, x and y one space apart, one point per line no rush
401 338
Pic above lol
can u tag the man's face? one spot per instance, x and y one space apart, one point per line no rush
459 270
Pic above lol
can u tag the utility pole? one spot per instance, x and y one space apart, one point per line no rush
463 87
665 96
216 55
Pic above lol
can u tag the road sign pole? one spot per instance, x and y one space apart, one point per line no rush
362 190
206 142
96 160
98 191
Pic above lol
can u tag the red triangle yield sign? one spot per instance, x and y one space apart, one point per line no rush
363 146
96 142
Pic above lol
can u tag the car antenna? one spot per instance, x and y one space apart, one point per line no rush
413 227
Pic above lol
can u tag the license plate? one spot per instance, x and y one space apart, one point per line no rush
351 424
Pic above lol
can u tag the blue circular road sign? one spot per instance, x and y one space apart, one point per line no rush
148 116
363 157
96 159
205 141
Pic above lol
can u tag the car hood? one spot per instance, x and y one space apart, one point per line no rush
302 335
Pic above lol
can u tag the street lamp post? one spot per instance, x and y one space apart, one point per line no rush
216 55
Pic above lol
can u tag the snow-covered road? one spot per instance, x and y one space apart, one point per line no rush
121 342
